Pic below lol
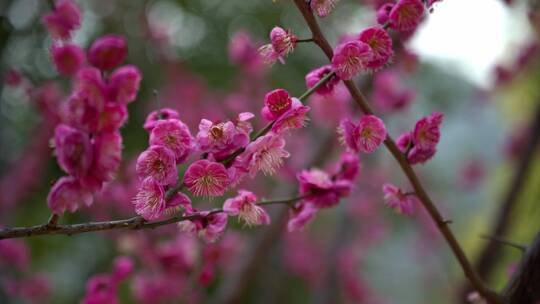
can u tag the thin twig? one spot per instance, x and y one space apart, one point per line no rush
503 241
134 223
422 195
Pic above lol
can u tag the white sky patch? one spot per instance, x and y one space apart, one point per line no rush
471 36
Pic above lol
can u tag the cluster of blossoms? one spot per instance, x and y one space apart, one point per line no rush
228 156
420 145
87 141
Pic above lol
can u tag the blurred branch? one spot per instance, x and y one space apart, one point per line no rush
470 273
134 223
491 252
503 241
524 285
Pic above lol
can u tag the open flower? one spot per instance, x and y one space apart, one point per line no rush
209 226
157 162
381 45
276 103
313 77
319 188
323 7
265 154
426 132
406 15
150 200
174 135
246 209
397 200
220 138
67 194
351 58
283 41
294 118
366 137
207 178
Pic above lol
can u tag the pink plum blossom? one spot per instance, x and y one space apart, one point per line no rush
107 150
244 206
348 167
351 58
268 55
221 138
107 52
89 82
158 163
124 84
161 114
406 15
381 46
63 20
67 58
174 135
395 198
265 154
300 215
319 188
101 289
276 103
73 150
323 7
415 155
150 201
427 132
113 117
294 118
313 77
209 227
207 178
283 41
366 137
67 194
383 13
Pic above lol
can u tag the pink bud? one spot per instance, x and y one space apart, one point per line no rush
67 58
108 52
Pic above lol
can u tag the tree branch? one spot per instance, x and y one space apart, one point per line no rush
134 223
424 198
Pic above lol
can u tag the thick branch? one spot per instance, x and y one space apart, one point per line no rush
426 201
134 223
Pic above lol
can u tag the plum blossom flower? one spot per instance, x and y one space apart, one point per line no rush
157 162
107 150
67 194
220 139
246 209
366 137
294 118
150 200
82 111
161 114
174 135
107 52
323 7
207 178
348 167
113 117
268 55
313 77
101 289
381 46
426 132
300 215
65 18
383 13
209 226
319 188
124 84
73 150
415 155
67 58
283 41
395 198
406 15
265 154
276 103
351 58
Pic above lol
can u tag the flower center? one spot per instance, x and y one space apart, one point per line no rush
217 131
